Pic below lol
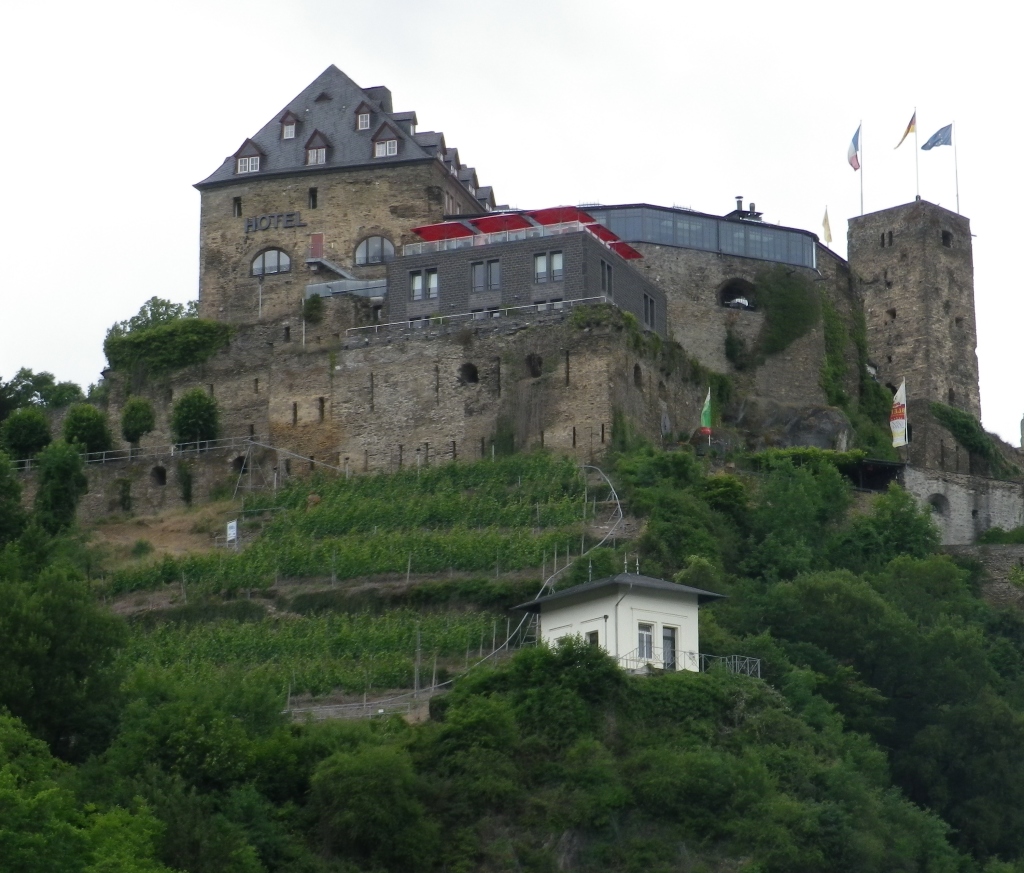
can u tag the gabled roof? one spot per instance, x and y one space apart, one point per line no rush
387 131
317 141
325 105
248 149
289 117
621 581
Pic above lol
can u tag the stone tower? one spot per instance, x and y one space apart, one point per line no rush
913 267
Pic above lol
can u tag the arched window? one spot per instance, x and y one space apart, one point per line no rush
374 250
271 261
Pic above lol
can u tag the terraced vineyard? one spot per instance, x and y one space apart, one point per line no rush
487 518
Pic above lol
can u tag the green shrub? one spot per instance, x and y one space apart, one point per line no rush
195 417
62 483
998 536
25 432
166 347
87 425
313 309
967 431
137 419
791 305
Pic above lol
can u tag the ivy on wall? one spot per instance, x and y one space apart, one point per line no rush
967 431
166 347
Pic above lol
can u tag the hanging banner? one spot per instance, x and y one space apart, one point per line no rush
898 416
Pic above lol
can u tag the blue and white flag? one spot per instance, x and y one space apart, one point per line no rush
943 136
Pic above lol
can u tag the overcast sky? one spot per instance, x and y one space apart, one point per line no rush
115 109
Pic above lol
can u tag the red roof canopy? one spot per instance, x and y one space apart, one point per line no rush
444 230
602 233
499 222
560 215
624 250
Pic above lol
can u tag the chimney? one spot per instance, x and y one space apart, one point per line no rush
739 202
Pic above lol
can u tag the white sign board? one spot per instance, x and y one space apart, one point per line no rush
233 531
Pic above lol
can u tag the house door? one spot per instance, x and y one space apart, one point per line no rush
316 245
668 647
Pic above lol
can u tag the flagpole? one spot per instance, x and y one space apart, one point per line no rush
860 142
917 168
956 170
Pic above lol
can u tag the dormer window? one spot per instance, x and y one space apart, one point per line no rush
247 158
385 148
364 121
289 121
249 165
316 149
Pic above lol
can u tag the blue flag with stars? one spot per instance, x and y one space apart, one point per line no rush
943 136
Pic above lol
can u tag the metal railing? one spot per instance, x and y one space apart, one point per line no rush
173 451
658 659
438 320
486 239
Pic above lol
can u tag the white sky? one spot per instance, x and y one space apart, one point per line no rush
114 109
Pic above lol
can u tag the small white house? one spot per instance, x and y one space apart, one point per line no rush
637 619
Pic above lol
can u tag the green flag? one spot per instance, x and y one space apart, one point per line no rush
705 415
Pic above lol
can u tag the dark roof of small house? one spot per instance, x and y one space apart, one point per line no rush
622 580
328 105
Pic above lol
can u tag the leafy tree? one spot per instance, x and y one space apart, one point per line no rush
62 483
25 432
87 425
57 646
137 419
366 805
313 309
154 312
195 417
12 516
36 389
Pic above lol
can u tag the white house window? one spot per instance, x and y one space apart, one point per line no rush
249 165
645 641
540 268
416 285
431 284
271 261
556 266
364 120
316 156
288 131
374 250
385 148
423 280
486 276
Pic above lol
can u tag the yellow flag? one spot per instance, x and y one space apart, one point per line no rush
910 128
828 230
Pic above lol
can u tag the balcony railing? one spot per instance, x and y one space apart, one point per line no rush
486 239
438 320
662 659
177 450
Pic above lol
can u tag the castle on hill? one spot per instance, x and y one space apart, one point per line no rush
446 326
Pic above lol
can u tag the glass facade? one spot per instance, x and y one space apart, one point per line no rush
689 230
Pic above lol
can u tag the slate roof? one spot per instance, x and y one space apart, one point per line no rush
625 580
328 105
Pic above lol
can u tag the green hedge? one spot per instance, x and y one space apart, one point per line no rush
166 347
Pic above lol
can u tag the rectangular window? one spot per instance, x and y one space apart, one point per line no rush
320 408
649 312
312 198
295 414
478 272
249 165
556 266
416 285
486 276
236 207
540 268
288 131
593 639
364 120
645 641
606 277
493 275
385 148
316 156
431 284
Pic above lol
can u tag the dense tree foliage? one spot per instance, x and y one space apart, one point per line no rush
24 432
137 419
195 417
12 516
36 389
61 484
86 425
